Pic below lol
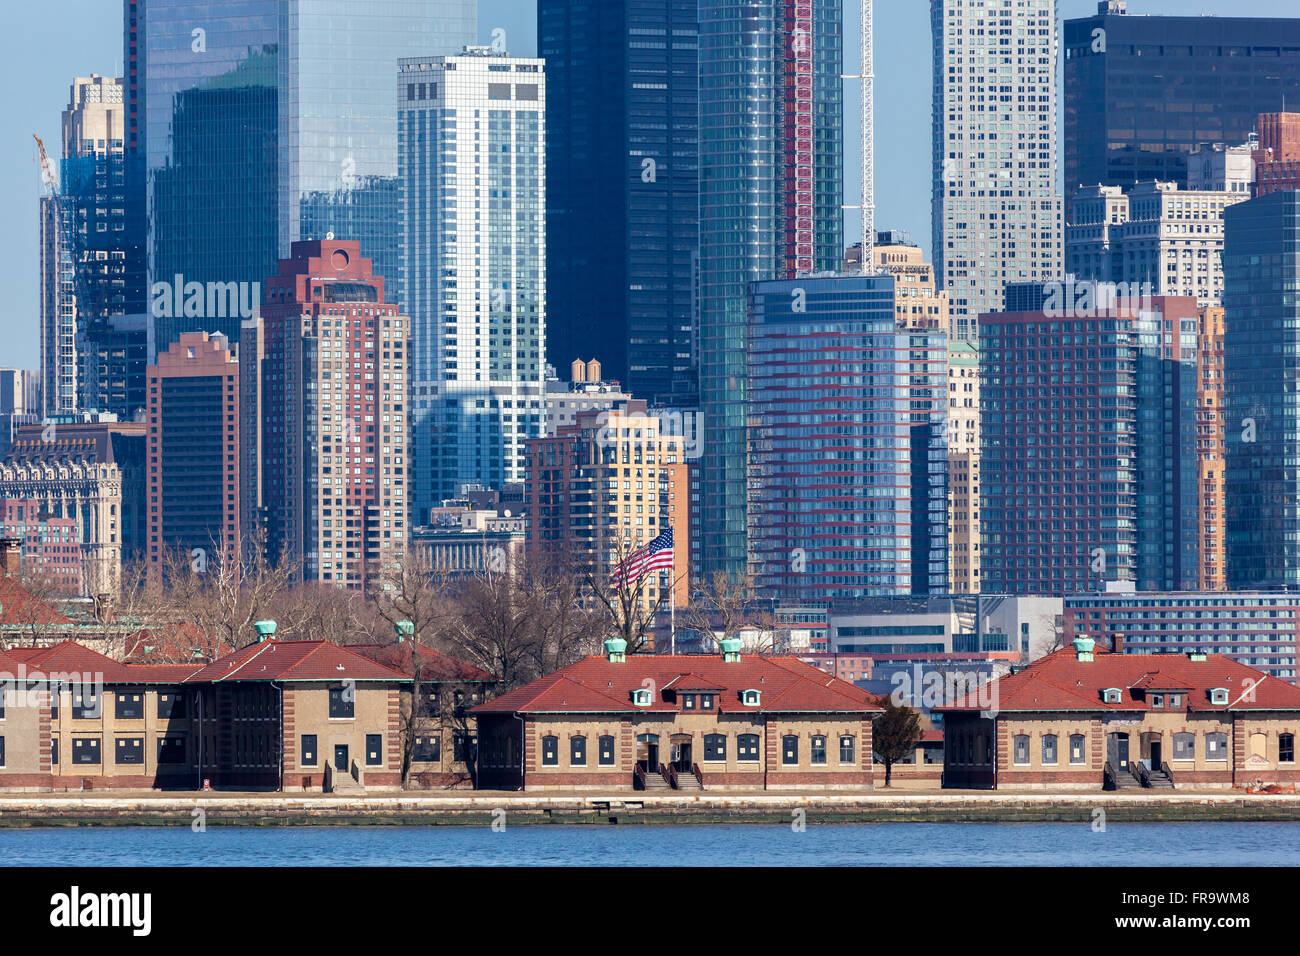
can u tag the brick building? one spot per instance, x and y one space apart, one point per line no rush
686 722
1277 155
51 547
1085 718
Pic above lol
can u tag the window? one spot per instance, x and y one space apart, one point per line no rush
85 706
847 749
309 750
54 701
129 750
172 749
429 704
343 702
578 751
1219 695
715 746
2 751
750 698
171 706
1020 753
85 750
1184 746
789 749
1111 695
605 749
706 702
1216 746
641 697
1076 748
747 748
428 749
374 749
1175 700
550 751
818 749
688 701
462 745
128 706
1157 700
54 750
1286 748
1049 748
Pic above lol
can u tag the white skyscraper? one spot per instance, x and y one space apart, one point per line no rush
996 214
471 144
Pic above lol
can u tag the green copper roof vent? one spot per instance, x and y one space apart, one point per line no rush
730 649
616 650
404 630
1083 647
265 630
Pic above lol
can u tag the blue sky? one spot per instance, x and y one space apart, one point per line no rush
46 44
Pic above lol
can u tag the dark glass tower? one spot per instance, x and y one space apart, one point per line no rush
262 122
622 185
1140 92
771 187
1261 373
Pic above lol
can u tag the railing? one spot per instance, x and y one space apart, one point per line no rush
1142 773
695 769
1164 765
670 774
638 777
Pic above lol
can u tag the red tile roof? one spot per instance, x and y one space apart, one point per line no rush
22 609
69 657
435 666
295 661
595 685
1062 682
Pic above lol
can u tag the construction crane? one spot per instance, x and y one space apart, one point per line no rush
868 76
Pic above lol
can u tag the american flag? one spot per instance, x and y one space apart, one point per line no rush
655 556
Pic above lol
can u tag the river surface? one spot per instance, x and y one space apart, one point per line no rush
883 844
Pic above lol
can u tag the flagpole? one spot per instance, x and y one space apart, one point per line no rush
672 614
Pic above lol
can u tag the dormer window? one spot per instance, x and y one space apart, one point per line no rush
706 702
641 697
1218 695
750 698
1157 700
688 701
1111 695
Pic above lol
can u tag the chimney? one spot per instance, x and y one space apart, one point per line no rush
11 558
1083 648
1117 643
265 630
578 370
615 649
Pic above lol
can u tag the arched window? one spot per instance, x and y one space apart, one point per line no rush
1076 748
1184 746
1216 746
550 751
1049 748
606 748
578 751
1021 751
715 746
790 750
1286 748
747 748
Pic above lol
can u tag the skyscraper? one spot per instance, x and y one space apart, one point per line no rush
996 215
335 450
1142 92
621 185
771 188
472 160
262 123
847 457
194 442
1261 367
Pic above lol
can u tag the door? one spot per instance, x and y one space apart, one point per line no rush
1117 750
682 755
1156 755
647 752
341 757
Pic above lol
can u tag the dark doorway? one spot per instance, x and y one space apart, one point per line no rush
681 753
647 752
341 757
1156 754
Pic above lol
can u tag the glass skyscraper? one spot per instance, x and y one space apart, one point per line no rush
472 160
771 189
266 121
1261 373
1141 92
622 186
848 457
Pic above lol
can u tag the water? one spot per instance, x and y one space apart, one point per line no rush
883 844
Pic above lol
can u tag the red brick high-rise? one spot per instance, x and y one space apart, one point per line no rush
334 440
1277 160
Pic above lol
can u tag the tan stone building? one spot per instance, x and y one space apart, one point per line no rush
685 722
917 303
1084 718
963 468
1210 463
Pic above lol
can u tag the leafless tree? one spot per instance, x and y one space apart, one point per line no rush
727 604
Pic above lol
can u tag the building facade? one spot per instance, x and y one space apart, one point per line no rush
194 453
1211 466
1277 153
847 453
963 468
335 435
622 162
771 188
1261 408
50 547
917 304
474 262
1141 92
996 213
653 722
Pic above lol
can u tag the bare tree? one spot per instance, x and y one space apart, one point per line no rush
727 604
631 610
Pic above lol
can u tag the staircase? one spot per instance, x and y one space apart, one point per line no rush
340 782
1160 779
654 781
1118 779
688 781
